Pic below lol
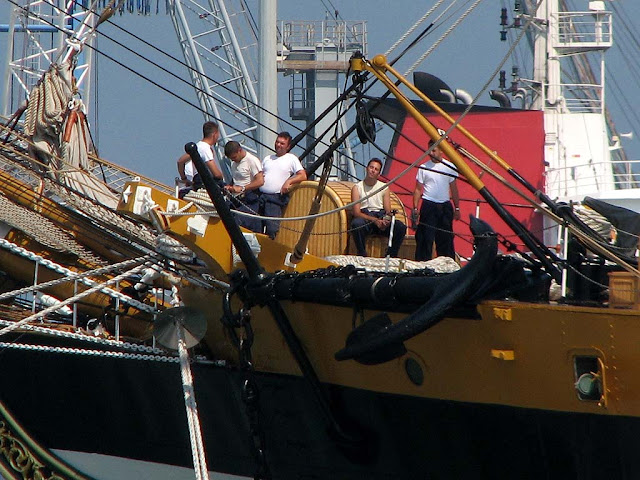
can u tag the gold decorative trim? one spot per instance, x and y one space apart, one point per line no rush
21 458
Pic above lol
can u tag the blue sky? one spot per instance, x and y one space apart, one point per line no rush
144 128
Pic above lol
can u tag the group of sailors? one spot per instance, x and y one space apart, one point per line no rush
256 187
262 187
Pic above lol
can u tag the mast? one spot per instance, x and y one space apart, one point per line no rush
268 84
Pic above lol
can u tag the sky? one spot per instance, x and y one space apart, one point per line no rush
142 127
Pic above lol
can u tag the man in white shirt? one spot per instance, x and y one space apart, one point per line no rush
281 171
246 179
187 170
373 214
435 186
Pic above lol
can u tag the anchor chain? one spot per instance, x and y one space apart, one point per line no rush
239 325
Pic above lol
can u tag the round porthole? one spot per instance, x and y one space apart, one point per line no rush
414 371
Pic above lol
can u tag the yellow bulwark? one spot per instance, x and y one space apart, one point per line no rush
205 234
200 229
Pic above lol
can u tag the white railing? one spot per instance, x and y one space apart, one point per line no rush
580 97
346 36
582 179
584 30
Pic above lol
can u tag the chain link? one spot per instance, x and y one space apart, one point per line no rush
147 352
250 395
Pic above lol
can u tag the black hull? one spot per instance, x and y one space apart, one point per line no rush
134 409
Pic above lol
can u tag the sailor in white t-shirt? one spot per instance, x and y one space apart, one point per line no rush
372 213
246 179
281 172
186 169
435 187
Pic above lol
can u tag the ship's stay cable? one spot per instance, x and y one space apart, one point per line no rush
411 29
116 226
333 11
225 87
443 36
225 104
463 114
465 153
99 227
519 53
280 119
23 252
147 79
188 102
177 60
134 52
47 208
596 243
69 277
115 229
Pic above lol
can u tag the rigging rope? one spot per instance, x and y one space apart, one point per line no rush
442 37
43 230
191 406
412 28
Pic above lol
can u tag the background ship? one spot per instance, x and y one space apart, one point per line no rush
469 374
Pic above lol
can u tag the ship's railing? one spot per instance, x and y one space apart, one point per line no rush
584 30
581 180
580 97
345 36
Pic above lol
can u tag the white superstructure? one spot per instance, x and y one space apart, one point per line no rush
578 142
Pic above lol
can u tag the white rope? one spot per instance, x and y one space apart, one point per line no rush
415 25
162 358
69 300
442 37
170 247
191 406
148 352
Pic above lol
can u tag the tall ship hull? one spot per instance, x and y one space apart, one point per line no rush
473 414
149 336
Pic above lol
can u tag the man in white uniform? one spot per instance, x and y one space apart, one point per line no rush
373 214
435 186
246 179
281 172
186 169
